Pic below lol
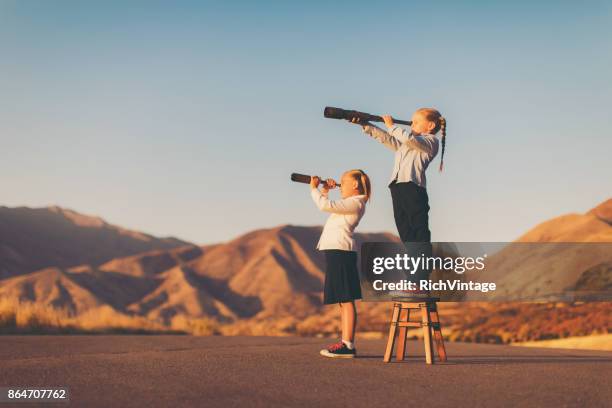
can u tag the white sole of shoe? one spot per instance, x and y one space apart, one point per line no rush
332 355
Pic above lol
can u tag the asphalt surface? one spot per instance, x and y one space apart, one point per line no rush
134 371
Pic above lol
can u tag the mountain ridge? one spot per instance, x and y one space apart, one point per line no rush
36 238
266 281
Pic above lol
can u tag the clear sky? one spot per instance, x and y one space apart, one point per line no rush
187 118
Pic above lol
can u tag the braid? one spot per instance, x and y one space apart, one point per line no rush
443 129
435 116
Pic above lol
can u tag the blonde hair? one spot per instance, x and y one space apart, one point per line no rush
436 117
363 182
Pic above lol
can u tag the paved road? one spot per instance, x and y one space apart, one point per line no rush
126 371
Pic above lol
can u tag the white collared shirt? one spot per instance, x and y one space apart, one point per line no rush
413 153
345 215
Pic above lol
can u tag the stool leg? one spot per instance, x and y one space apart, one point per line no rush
392 329
437 332
426 322
401 337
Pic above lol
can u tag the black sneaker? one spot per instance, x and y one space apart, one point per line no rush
339 350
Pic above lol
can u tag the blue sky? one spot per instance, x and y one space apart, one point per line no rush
186 118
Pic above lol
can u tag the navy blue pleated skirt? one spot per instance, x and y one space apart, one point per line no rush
341 277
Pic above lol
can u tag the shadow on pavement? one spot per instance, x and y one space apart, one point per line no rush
502 359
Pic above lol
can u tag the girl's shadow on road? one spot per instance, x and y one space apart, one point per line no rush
500 359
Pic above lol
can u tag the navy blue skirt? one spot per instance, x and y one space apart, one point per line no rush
341 276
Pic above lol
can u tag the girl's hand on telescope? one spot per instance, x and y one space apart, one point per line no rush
330 184
314 181
358 121
388 121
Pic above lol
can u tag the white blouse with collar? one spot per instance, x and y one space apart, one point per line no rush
345 215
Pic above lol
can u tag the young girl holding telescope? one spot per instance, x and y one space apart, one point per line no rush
338 245
414 151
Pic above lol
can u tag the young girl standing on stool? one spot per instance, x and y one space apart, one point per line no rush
337 243
414 151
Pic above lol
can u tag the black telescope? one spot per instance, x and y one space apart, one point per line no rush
303 178
338 113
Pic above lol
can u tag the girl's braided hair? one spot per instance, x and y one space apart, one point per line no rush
437 118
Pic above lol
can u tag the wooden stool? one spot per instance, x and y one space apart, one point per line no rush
430 322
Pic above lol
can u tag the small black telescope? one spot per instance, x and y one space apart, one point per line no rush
303 178
338 113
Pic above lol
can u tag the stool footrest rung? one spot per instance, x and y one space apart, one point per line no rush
408 324
416 324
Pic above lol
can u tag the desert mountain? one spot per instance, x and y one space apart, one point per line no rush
594 226
53 287
603 211
36 238
267 281
546 262
263 274
280 267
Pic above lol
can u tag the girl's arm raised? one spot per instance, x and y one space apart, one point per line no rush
383 137
344 206
378 134
414 142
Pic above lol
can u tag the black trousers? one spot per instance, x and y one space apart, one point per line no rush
411 212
